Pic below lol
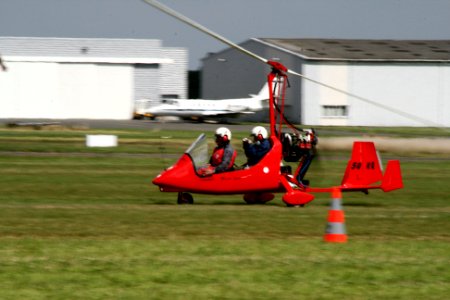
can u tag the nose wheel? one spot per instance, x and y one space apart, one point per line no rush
185 198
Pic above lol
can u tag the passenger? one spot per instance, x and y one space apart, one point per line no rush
223 156
307 153
256 148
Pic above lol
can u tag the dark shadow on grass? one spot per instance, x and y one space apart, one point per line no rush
215 202
358 204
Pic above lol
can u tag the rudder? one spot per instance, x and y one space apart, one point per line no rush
363 168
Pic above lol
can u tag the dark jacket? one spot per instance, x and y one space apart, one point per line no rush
256 151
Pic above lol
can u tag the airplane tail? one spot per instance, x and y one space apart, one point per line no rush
364 172
263 93
259 101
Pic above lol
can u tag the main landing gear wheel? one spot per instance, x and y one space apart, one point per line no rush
185 198
258 198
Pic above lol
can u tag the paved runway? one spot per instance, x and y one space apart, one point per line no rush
128 124
343 142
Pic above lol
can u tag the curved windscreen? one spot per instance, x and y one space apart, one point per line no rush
198 151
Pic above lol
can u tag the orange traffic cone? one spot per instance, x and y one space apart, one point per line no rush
335 231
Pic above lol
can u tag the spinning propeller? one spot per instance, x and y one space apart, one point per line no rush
281 68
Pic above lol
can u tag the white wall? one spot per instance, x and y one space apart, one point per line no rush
315 96
66 90
422 90
173 77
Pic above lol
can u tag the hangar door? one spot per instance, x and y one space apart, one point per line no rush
66 91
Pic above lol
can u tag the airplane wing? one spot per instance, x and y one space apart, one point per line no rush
211 113
215 112
195 113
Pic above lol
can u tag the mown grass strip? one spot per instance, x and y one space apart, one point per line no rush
93 227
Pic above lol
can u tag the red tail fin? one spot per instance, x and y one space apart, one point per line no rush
363 169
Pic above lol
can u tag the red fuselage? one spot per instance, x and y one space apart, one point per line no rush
265 176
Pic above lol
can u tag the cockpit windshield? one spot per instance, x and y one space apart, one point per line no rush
198 151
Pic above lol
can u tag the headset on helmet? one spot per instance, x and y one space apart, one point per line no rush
224 133
259 132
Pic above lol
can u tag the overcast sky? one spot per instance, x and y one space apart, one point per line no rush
237 20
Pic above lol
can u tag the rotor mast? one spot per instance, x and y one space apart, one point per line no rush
277 80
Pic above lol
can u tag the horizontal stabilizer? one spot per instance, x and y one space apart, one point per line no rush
392 179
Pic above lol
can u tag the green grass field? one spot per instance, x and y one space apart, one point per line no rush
86 223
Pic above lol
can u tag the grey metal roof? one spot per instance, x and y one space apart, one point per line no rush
365 50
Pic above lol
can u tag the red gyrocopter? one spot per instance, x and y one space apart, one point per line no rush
259 183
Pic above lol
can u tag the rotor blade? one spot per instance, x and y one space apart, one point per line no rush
196 25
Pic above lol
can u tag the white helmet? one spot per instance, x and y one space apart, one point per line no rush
259 132
224 133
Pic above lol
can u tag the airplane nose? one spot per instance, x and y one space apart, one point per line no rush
176 177
157 180
162 179
164 182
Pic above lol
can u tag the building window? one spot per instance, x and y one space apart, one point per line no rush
334 111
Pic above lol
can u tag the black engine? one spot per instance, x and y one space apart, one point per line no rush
298 145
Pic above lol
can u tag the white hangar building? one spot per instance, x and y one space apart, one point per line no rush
412 77
77 78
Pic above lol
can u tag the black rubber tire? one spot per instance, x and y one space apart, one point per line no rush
185 198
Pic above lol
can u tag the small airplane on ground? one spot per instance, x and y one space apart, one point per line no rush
259 182
201 109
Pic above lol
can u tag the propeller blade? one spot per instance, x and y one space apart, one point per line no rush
281 67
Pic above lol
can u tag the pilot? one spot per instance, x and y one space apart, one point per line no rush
223 156
257 147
